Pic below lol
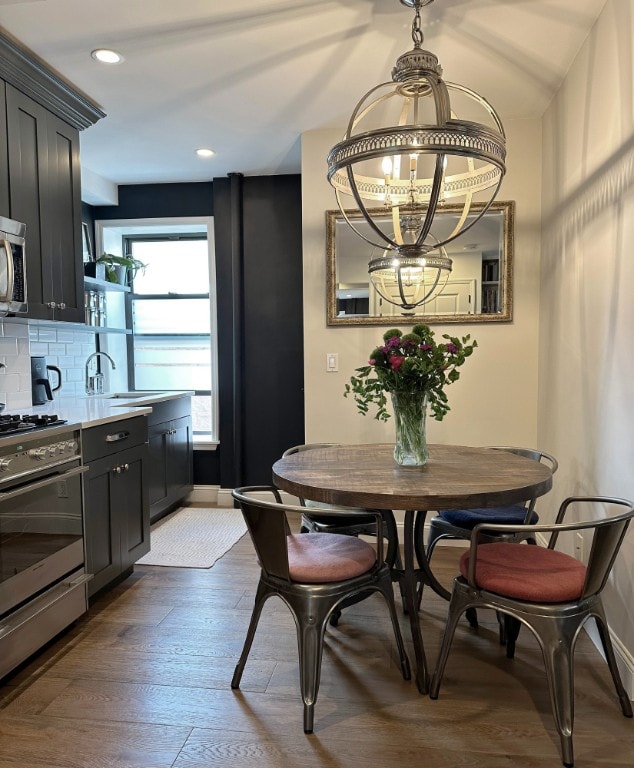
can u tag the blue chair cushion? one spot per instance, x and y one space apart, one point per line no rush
469 518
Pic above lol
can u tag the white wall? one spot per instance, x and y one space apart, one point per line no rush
495 401
586 365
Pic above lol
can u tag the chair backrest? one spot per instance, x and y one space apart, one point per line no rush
531 453
299 449
535 455
268 527
305 447
607 537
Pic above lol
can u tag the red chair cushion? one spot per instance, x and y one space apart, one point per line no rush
527 572
321 558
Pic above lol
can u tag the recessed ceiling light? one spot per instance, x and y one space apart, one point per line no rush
106 56
205 152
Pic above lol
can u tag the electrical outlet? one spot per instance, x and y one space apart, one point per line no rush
579 546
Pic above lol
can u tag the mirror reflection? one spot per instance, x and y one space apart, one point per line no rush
479 288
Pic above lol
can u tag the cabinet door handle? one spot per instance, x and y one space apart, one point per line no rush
51 305
117 470
61 305
116 436
126 467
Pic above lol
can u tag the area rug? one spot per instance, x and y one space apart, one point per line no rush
194 537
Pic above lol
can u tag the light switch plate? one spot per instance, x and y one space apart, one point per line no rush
332 362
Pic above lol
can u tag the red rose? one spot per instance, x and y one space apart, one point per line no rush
395 361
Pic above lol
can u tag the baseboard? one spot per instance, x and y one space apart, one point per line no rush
205 494
214 494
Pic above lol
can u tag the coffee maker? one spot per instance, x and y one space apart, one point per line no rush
41 389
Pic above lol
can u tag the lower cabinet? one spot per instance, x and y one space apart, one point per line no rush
116 500
171 455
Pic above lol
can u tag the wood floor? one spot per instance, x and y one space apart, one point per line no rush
142 681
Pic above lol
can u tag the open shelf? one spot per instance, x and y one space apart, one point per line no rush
104 285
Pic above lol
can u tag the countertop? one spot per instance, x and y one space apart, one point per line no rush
92 410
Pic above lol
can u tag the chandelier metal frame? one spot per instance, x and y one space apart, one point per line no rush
449 142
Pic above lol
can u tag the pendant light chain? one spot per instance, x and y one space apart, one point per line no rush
417 30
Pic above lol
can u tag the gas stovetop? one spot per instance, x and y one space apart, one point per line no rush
11 424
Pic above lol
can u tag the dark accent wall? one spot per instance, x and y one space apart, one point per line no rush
258 244
260 314
153 201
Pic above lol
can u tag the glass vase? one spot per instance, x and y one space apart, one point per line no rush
410 411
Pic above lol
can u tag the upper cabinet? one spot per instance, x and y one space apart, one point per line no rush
4 157
44 193
41 116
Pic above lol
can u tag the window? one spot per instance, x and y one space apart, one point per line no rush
171 319
171 312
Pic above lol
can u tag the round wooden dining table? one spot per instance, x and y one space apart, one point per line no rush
454 477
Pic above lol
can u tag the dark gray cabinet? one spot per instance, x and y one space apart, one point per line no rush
171 455
116 501
5 210
44 188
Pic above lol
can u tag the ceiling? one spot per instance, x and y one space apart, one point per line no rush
247 79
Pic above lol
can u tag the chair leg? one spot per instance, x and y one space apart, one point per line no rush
390 531
472 617
260 598
457 605
501 617
310 638
311 618
388 593
512 628
604 633
557 641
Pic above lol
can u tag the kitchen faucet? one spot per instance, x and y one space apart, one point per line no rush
94 383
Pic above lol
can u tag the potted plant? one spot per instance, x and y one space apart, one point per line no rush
120 269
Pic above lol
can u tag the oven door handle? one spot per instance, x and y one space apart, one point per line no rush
52 465
43 483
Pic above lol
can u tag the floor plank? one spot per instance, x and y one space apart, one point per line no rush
142 681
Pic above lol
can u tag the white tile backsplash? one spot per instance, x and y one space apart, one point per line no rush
66 348
8 346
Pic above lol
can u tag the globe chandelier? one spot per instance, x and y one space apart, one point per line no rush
410 281
406 151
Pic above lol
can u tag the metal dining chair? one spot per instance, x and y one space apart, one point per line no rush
551 592
313 574
459 523
361 522
355 525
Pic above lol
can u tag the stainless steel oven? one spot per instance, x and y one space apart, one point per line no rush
42 574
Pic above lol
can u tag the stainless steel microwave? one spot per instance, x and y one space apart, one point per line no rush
12 267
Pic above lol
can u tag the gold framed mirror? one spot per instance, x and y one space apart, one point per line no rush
479 289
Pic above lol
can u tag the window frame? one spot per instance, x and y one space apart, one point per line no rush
162 229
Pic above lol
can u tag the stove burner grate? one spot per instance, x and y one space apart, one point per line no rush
12 423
